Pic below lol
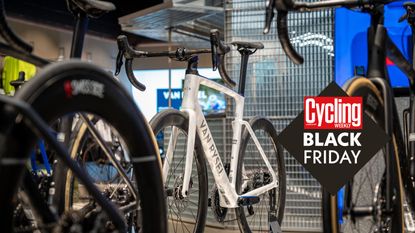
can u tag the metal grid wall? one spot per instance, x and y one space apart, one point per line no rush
275 88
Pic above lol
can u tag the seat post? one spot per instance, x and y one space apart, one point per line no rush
80 28
242 75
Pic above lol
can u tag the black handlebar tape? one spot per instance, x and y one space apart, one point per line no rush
118 61
225 48
223 73
8 34
214 54
219 49
131 77
285 40
288 4
214 44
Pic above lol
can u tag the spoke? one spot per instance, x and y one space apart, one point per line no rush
183 224
172 221
360 187
372 188
118 185
192 202
194 217
180 161
108 153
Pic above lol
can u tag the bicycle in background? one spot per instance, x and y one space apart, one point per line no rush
374 200
130 202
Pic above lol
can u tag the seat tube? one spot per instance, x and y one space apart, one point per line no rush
78 36
236 138
242 74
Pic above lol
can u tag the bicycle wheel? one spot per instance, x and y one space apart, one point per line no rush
253 173
367 188
77 87
185 214
90 155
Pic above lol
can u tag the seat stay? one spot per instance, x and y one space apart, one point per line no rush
261 151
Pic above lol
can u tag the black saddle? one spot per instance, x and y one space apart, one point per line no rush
248 45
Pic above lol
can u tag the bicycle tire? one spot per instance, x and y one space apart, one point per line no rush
361 86
60 172
90 155
63 178
260 125
80 130
172 117
50 95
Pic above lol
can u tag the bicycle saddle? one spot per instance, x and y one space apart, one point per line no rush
248 45
93 8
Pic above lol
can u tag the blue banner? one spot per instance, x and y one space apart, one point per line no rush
163 98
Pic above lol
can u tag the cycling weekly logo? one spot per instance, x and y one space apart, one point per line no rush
333 138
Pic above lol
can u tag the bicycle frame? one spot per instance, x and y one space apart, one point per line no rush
197 124
377 74
378 43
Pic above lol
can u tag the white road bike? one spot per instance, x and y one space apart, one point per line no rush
253 183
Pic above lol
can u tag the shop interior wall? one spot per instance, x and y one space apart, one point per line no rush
48 41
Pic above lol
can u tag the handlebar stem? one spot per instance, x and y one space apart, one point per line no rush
192 65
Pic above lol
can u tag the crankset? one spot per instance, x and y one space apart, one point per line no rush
218 211
214 201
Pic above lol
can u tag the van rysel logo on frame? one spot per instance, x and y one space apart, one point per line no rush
207 138
325 112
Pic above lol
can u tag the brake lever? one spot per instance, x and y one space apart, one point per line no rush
409 14
119 62
213 47
269 15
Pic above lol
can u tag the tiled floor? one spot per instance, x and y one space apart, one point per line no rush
208 229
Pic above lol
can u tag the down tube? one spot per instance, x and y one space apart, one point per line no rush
228 195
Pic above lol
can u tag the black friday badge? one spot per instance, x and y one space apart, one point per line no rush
333 138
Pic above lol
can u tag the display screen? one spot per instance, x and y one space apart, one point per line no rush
212 101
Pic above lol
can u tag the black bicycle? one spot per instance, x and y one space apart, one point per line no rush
134 199
373 201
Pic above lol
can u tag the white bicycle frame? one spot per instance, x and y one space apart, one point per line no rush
197 123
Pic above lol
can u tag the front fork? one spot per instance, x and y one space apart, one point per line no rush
190 147
386 91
